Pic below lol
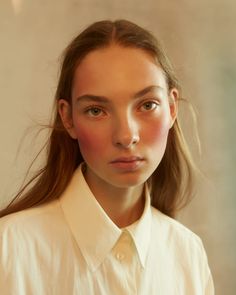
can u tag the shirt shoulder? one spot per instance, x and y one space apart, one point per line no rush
184 248
181 241
173 228
24 216
29 225
182 245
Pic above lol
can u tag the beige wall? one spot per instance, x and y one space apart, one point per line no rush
200 39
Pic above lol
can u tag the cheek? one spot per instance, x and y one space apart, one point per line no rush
157 133
91 144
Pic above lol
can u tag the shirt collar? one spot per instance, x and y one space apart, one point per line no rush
91 227
141 230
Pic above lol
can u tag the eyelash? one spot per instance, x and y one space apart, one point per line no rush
97 108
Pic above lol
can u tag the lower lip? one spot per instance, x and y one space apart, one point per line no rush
128 166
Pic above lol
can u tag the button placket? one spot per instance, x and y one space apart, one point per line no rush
122 249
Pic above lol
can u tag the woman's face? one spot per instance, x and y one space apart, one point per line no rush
121 115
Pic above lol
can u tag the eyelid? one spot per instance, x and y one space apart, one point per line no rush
93 107
150 100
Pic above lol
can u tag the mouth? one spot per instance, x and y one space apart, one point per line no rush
127 163
127 159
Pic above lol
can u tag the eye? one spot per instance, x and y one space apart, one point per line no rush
94 111
149 106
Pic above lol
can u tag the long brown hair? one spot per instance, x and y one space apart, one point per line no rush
171 183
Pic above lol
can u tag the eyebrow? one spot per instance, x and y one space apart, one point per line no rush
104 99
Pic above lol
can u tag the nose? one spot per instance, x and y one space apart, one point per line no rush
126 132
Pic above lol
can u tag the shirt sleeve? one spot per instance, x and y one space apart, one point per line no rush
2 267
8 282
209 286
206 272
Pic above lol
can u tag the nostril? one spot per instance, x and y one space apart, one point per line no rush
127 142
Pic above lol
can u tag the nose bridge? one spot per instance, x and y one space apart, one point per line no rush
126 130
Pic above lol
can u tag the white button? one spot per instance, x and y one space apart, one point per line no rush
120 256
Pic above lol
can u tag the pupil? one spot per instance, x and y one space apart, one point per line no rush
96 111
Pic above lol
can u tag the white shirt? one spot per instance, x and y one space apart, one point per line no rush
70 246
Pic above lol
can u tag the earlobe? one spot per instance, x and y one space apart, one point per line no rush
173 104
65 112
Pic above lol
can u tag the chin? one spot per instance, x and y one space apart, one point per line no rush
129 181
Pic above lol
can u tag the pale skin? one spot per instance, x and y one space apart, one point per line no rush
121 114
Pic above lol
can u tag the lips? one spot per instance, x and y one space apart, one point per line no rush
127 164
127 159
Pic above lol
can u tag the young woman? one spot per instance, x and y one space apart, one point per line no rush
98 218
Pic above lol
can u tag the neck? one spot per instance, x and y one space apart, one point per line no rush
124 206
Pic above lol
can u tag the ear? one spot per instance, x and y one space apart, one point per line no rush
173 105
65 112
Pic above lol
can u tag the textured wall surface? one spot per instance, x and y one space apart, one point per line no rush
199 37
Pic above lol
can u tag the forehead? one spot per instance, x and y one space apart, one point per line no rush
116 69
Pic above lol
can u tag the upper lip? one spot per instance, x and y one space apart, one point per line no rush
127 159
